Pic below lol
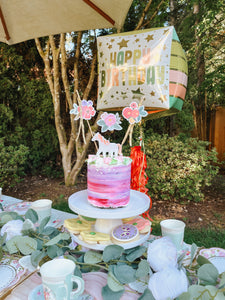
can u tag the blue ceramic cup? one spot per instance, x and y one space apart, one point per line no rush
57 279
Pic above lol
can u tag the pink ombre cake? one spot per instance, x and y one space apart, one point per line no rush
108 181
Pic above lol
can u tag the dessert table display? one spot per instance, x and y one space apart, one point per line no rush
107 219
128 274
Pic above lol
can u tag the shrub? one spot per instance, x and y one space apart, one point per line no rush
12 160
179 168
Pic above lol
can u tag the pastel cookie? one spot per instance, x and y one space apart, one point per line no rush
76 225
87 219
125 233
93 237
143 225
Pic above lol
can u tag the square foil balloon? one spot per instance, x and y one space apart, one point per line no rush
148 65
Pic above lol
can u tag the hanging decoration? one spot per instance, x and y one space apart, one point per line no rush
139 178
148 64
109 122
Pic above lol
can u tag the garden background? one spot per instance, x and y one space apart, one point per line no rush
40 155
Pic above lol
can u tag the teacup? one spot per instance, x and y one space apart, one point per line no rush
57 279
174 229
42 208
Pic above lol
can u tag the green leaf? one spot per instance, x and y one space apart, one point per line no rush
113 283
92 257
112 252
185 296
201 260
12 245
52 251
143 269
208 274
124 273
27 245
1 253
204 293
5 219
49 230
44 222
194 248
31 215
147 295
59 237
3 239
222 281
28 225
108 294
36 257
138 252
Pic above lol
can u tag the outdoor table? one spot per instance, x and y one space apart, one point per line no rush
94 281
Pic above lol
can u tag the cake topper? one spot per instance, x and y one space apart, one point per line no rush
134 113
106 147
109 122
86 108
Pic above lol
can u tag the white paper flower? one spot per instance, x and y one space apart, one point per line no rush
12 228
162 253
168 283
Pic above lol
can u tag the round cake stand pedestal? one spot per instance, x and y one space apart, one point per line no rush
108 218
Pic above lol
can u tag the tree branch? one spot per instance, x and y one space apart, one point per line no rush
143 15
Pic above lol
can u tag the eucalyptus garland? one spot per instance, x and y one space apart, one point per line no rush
122 266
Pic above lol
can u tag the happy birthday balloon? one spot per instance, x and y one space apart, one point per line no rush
148 65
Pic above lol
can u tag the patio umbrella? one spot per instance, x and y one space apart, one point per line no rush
21 20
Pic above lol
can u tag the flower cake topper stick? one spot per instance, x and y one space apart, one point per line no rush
81 126
83 111
133 114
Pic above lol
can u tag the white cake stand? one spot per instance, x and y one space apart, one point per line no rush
109 218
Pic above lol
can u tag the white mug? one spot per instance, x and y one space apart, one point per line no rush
174 229
42 208
57 279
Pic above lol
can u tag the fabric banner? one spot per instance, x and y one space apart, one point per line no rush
148 64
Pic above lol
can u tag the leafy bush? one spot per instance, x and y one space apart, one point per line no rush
12 161
179 168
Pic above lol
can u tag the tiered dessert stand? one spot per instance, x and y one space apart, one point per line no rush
109 218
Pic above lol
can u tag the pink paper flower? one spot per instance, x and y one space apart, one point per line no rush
133 105
87 112
133 113
110 120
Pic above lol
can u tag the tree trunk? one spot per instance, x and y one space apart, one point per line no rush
200 106
55 73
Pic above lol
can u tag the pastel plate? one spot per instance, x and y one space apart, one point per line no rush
21 208
38 294
13 265
216 256
7 275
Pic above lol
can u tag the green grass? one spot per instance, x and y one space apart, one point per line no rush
61 204
205 237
